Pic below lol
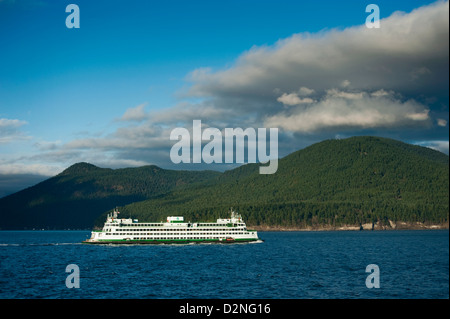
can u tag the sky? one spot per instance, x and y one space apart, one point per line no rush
111 91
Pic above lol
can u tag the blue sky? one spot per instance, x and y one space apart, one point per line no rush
110 92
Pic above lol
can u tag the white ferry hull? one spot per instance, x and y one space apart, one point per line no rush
168 241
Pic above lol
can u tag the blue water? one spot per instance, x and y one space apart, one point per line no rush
287 265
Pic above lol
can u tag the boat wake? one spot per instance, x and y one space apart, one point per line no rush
36 244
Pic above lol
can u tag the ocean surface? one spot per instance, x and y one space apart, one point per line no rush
287 265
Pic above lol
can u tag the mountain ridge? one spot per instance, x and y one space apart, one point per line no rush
84 190
335 182
354 181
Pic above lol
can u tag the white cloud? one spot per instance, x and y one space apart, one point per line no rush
414 43
293 99
304 91
10 130
345 95
418 116
339 109
135 113
7 123
442 122
381 93
345 83
30 168
367 64
47 145
441 146
185 112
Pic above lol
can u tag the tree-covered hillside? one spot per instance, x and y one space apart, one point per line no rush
78 195
335 182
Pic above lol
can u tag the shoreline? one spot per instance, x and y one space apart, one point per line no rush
360 227
366 227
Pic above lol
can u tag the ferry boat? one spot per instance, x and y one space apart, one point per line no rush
174 230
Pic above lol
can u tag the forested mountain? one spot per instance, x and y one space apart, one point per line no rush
75 197
335 182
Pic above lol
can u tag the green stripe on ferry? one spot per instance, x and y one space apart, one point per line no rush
164 240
